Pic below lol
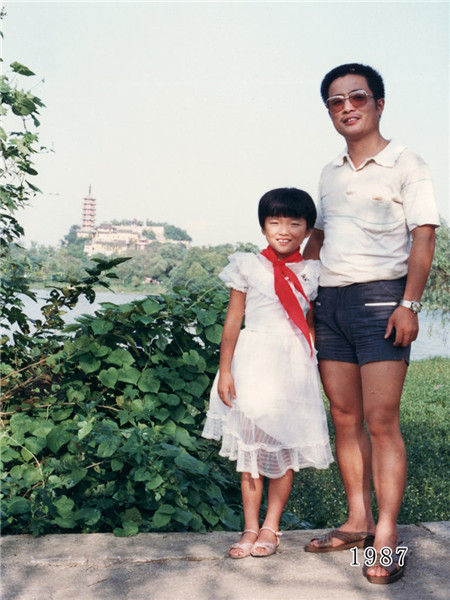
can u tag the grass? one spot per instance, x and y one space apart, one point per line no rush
318 500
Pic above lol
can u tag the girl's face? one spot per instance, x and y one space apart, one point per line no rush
285 234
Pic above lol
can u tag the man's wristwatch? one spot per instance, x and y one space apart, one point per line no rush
413 305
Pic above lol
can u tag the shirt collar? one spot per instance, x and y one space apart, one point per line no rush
386 158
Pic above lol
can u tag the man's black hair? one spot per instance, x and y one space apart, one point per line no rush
374 79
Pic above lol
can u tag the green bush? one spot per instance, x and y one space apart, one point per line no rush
104 434
107 435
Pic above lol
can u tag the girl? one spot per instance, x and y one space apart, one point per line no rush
266 402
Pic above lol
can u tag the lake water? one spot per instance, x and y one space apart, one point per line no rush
433 340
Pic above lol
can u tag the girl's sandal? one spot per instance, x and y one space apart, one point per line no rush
267 546
246 547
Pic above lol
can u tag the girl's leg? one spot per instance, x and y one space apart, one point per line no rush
251 490
279 490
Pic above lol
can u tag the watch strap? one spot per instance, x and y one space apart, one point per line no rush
413 305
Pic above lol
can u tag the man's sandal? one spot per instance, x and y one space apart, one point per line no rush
360 539
267 546
246 547
395 571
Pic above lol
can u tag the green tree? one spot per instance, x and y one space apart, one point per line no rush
175 233
73 243
19 144
436 296
149 234
156 262
200 266
18 147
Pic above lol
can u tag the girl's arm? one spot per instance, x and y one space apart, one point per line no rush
230 334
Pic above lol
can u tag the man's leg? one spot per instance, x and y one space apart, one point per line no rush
342 385
382 384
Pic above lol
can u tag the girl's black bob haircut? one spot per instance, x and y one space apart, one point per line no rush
287 202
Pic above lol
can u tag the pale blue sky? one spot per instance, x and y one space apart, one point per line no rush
189 112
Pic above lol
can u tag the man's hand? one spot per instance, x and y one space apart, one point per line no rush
225 388
405 324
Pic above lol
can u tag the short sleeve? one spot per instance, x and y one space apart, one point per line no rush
417 192
234 274
310 277
319 219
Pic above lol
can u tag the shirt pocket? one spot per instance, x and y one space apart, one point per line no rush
379 208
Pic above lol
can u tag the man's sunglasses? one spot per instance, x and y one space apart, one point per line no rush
357 99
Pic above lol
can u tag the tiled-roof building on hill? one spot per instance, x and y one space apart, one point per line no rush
118 238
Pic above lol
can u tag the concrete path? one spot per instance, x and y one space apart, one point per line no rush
180 566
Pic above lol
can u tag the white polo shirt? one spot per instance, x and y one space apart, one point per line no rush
367 214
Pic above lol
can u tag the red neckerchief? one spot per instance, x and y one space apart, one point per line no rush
284 291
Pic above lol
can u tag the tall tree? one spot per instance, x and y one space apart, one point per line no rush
20 111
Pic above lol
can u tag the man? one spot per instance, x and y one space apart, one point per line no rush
373 200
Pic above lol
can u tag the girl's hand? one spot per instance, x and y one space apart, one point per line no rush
225 388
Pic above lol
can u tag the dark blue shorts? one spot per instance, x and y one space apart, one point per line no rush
351 322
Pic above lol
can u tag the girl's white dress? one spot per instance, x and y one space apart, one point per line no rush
278 420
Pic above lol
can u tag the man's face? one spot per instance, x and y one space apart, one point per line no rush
355 123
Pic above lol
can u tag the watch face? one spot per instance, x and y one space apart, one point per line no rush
416 306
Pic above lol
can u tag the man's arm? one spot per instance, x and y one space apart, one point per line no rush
314 244
405 322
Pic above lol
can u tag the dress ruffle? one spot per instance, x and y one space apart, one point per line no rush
257 453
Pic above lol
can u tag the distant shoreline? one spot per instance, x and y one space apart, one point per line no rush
433 340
